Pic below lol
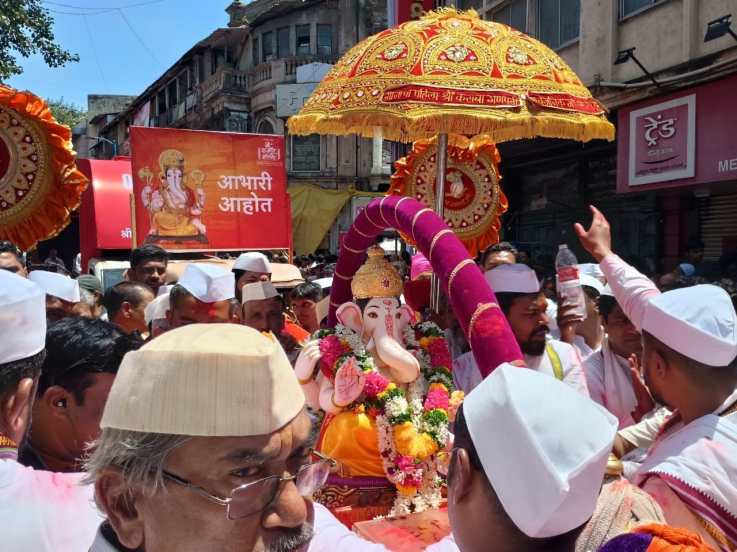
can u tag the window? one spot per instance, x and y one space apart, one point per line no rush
324 40
265 127
254 52
628 7
513 14
303 40
282 43
161 101
173 100
559 21
306 153
267 46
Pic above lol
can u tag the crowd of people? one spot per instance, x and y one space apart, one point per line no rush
161 415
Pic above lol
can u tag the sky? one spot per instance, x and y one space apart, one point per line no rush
116 58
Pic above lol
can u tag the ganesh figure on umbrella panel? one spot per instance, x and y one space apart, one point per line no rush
176 203
385 386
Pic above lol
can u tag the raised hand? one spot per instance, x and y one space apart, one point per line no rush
568 322
304 368
645 401
349 382
597 240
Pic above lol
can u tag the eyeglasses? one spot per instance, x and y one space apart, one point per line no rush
253 497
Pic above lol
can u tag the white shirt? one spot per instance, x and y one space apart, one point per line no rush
45 511
610 384
573 373
466 374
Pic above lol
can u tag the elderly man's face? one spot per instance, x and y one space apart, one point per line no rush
178 519
249 277
264 315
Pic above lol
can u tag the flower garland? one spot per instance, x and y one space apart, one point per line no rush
412 426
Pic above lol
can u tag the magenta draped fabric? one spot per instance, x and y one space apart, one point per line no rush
471 297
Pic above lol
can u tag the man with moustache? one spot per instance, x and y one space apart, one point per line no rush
524 304
204 446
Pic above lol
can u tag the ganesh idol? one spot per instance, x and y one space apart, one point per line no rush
386 389
176 203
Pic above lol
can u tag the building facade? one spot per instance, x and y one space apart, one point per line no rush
551 182
254 74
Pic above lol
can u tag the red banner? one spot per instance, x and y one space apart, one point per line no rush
415 93
408 10
210 191
565 102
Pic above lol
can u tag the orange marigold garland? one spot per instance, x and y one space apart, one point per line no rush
474 200
40 184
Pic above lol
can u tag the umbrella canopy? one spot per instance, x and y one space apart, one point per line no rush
474 201
451 72
40 184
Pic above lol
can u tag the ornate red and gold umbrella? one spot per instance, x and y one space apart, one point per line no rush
40 184
452 73
474 201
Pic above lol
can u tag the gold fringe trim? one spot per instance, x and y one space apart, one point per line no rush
410 128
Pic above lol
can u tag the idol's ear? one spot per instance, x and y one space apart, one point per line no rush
349 314
407 316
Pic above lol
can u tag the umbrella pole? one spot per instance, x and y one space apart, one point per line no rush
441 161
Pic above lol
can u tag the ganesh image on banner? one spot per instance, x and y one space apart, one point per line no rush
175 201
386 388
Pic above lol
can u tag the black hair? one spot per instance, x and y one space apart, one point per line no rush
10 247
606 306
694 244
11 373
591 293
506 300
80 347
177 294
146 253
308 290
123 292
498 248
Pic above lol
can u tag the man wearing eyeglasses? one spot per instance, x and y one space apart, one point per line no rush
204 446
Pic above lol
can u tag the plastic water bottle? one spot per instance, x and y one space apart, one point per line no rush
569 284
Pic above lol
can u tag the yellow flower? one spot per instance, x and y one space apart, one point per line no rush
437 386
409 442
457 396
424 342
406 491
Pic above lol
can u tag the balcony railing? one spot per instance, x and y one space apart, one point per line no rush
224 80
283 70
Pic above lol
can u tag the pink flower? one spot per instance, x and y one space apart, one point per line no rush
405 463
331 349
439 353
375 384
413 480
437 398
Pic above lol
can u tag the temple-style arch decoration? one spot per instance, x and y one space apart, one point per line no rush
471 297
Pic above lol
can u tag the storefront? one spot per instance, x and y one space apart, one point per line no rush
682 147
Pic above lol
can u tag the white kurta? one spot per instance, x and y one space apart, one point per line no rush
45 511
609 380
466 374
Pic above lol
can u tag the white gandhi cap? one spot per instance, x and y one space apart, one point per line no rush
58 285
253 261
543 447
699 322
156 309
22 317
208 283
513 278
210 380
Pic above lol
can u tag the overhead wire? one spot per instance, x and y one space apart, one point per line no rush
102 8
138 37
94 52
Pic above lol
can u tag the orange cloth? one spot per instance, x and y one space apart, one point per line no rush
672 539
352 440
301 335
